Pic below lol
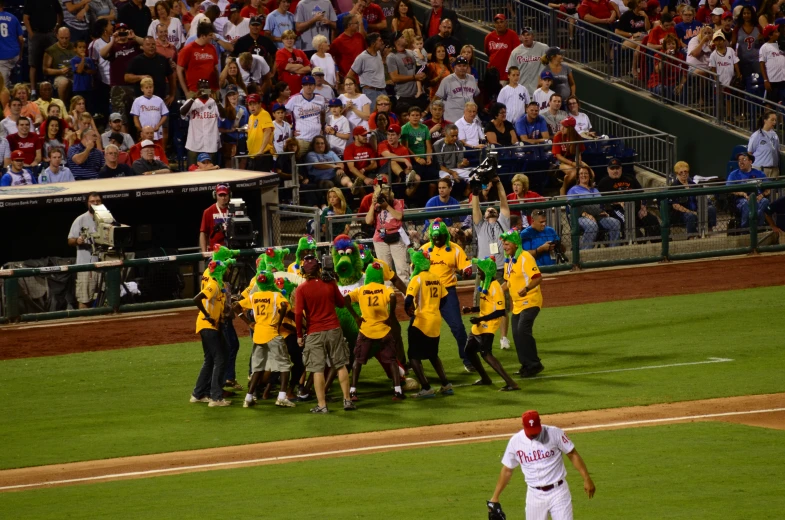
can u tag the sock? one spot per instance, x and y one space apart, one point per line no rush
281 396
249 398
352 390
398 390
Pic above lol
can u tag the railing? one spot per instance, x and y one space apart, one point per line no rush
626 61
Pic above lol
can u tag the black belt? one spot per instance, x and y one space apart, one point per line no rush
372 88
549 487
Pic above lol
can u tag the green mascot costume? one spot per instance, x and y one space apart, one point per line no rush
306 245
439 234
514 237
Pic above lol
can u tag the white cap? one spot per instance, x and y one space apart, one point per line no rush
147 143
718 11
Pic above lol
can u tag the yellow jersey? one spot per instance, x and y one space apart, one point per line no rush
291 269
489 303
518 276
266 306
374 301
427 291
213 304
256 128
444 263
387 273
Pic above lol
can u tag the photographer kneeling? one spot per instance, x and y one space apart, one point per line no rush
542 241
389 238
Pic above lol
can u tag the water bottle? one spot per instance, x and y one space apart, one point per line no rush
44 179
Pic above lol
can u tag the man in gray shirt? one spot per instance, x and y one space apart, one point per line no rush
368 68
81 237
147 164
526 57
314 17
116 126
457 89
554 115
403 72
449 152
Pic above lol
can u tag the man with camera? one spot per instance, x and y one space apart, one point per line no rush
80 236
542 241
488 229
389 238
213 228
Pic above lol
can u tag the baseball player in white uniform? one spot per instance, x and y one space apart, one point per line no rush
538 450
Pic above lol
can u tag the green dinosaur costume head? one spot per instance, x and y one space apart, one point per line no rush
366 255
420 261
222 254
265 281
272 259
374 274
487 273
216 270
346 260
306 243
514 237
439 235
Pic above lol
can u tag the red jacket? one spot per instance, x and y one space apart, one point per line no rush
318 300
601 9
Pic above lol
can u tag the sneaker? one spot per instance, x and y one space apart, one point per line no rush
398 396
482 382
233 384
248 404
411 179
508 388
219 402
425 394
348 405
284 403
304 398
469 369
204 399
447 389
504 344
320 409
353 397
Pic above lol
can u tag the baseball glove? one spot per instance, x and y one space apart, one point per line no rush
495 511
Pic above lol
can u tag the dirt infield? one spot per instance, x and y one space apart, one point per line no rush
761 410
69 336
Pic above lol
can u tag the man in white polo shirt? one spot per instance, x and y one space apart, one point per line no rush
470 130
538 450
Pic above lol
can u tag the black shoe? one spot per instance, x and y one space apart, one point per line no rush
482 382
399 396
508 388
469 369
531 372
348 405
520 372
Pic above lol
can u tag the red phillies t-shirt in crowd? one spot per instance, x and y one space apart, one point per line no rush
363 151
531 196
373 14
284 57
436 19
345 49
498 48
563 149
399 150
430 123
199 62
119 58
249 11
658 34
212 225
28 145
600 9
318 300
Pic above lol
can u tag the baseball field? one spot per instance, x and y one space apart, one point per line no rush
669 379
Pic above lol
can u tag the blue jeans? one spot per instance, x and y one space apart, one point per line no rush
743 205
691 220
372 94
210 380
233 346
590 230
451 312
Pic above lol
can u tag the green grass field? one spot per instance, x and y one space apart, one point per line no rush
641 473
135 401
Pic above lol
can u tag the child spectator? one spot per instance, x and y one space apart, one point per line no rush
84 69
282 130
204 162
543 94
55 172
723 60
149 110
337 127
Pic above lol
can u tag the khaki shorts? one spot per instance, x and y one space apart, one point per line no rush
272 356
86 286
323 346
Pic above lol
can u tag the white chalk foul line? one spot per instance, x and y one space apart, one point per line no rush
348 451
709 361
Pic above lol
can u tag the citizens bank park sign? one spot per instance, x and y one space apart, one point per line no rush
36 196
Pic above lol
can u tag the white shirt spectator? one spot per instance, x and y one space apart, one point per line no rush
724 64
359 102
328 66
307 115
542 98
232 32
341 125
774 60
5 150
280 135
94 51
515 99
703 61
175 33
470 133
582 123
259 68
150 111
203 127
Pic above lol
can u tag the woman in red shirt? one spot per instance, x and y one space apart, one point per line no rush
566 153
521 193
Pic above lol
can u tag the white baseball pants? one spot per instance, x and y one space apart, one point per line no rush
557 502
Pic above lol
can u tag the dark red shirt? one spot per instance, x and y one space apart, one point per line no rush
373 14
28 145
212 221
364 151
344 49
119 58
436 19
318 300
601 9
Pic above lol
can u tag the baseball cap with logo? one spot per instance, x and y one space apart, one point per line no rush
233 8
568 122
307 80
359 130
526 30
718 35
120 27
394 128
718 11
317 71
727 14
256 20
531 423
460 60
253 98
546 74
147 143
335 102
769 30
17 155
499 16
614 163
278 106
204 157
222 189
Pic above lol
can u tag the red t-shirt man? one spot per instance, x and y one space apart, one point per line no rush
436 19
284 57
249 11
657 35
599 9
498 48
119 58
345 49
199 62
272 5
399 150
28 145
373 14
362 151
213 219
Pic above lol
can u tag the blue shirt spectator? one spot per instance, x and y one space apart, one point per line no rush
764 144
537 235
441 200
277 23
10 40
85 166
322 175
686 31
525 127
83 82
746 173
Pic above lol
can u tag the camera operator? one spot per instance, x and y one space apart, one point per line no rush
488 229
80 236
214 219
542 241
390 240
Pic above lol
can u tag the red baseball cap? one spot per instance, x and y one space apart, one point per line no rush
253 98
769 30
222 188
17 154
568 121
499 17
727 14
359 130
394 128
531 423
